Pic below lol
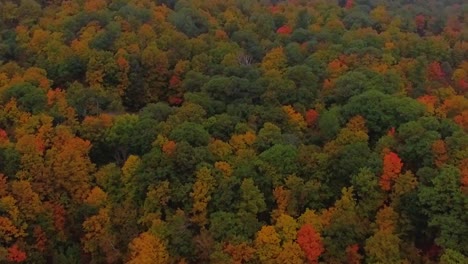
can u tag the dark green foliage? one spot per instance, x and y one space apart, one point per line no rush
136 97
192 133
382 111
29 97
282 157
189 21
330 123
444 203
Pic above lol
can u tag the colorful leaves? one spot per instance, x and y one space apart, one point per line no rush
146 249
15 254
8 230
310 242
295 119
311 117
391 169
284 30
267 244
201 195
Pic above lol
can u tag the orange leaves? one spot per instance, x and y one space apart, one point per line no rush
94 5
3 185
391 169
224 167
3 137
221 35
96 197
267 243
37 76
8 230
169 147
59 217
386 219
15 254
41 239
240 253
28 201
122 75
310 242
71 165
94 127
282 197
295 119
146 249
440 153
429 101
453 106
95 231
39 40
461 120
122 63
352 254
243 141
336 68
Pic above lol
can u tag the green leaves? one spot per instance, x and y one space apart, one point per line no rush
29 97
382 111
445 205
192 133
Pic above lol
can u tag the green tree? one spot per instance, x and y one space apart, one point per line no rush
443 203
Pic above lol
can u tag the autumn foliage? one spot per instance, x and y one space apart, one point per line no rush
16 255
284 30
310 242
226 131
391 170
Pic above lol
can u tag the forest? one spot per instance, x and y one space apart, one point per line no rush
234 131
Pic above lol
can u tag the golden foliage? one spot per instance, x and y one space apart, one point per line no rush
147 249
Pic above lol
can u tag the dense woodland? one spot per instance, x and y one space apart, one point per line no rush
233 131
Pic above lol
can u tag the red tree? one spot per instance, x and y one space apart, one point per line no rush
391 169
352 254
310 242
15 254
435 72
311 117
349 4
284 30
420 21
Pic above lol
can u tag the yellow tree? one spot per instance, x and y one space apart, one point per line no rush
384 245
69 164
27 199
147 249
267 244
201 195
286 227
274 61
295 119
98 238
